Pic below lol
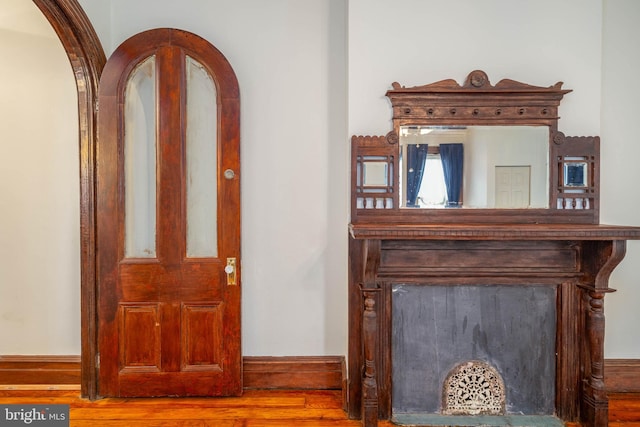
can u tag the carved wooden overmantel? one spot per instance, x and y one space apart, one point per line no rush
562 247
476 103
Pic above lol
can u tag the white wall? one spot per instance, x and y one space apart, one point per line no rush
289 57
415 42
620 146
40 205
291 61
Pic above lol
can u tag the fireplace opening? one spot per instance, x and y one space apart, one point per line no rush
473 351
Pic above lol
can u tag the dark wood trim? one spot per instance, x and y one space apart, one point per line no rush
487 231
317 373
39 369
290 372
622 375
87 58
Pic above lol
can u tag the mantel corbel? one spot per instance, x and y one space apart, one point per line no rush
371 263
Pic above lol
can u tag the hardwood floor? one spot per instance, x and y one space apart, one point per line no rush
256 408
624 409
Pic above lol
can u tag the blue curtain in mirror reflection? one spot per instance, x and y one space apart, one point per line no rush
452 156
416 160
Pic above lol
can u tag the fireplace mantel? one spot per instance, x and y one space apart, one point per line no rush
574 259
386 231
519 216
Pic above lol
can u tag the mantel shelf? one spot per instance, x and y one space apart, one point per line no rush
494 231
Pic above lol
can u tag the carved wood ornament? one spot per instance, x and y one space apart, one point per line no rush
477 103
562 246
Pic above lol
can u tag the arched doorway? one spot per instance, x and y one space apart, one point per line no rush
87 59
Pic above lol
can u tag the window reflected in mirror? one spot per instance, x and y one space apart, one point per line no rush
575 174
474 167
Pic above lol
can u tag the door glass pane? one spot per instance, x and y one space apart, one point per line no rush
140 161
201 119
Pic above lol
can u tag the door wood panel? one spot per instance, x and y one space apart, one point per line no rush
169 324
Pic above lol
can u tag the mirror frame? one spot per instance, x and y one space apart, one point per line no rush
477 102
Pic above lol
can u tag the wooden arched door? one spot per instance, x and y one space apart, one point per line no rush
168 219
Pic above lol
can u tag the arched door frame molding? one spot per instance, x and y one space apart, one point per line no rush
87 59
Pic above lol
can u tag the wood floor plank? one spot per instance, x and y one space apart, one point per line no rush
256 408
323 402
299 423
203 413
624 408
177 403
13 392
194 402
145 423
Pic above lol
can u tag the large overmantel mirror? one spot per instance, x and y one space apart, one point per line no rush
475 153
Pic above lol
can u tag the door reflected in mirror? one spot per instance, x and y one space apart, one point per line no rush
474 167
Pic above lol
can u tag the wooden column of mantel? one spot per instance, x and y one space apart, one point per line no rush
589 253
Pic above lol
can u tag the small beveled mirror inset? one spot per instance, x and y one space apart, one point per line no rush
575 174
375 174
374 179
